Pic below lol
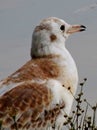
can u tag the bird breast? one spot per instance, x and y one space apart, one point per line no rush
68 72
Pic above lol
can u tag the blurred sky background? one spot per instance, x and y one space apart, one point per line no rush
18 19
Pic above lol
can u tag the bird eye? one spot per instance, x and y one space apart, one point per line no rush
62 27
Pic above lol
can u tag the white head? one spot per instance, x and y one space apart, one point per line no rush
50 35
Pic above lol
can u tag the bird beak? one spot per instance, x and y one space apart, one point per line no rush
76 28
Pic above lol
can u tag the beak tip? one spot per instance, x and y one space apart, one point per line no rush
83 28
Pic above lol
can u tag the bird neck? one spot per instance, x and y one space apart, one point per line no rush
48 49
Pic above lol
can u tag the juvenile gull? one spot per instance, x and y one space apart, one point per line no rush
40 93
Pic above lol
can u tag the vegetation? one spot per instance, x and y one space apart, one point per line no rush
84 115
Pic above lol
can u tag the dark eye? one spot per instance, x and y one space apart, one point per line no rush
62 27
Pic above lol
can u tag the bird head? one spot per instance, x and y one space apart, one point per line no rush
50 35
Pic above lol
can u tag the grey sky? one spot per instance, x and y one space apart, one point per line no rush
18 19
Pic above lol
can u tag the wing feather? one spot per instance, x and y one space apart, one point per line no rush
26 98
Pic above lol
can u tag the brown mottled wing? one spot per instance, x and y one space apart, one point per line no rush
24 103
27 105
41 68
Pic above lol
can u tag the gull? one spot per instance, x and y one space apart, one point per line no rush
41 92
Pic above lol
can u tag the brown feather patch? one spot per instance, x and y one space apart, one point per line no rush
42 27
53 37
41 68
28 99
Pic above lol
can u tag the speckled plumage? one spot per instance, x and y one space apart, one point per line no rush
40 93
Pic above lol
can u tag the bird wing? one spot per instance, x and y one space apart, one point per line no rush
27 98
39 69
29 104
